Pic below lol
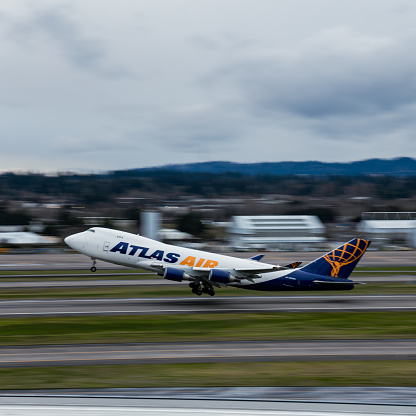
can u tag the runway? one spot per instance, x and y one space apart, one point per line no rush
207 352
194 305
47 284
108 404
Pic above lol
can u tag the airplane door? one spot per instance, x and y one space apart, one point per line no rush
106 246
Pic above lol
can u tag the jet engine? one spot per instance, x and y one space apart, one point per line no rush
221 276
176 275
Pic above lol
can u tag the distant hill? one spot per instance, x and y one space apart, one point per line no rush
403 166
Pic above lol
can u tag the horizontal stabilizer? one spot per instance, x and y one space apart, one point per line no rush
263 269
293 265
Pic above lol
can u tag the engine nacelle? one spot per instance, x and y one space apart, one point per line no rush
221 276
176 275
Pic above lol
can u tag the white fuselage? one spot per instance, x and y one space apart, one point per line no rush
135 251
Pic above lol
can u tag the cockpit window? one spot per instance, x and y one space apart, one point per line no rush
91 230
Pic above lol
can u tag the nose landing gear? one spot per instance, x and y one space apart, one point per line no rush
93 268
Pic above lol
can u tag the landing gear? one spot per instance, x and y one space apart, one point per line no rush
209 290
198 289
93 268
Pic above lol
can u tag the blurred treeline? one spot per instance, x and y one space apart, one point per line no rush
95 188
65 201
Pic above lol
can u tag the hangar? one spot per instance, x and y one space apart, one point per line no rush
389 228
276 232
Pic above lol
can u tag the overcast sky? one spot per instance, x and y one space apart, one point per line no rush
103 85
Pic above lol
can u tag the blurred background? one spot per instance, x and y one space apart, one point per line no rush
219 206
283 127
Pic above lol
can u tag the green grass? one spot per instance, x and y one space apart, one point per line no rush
317 373
201 327
207 327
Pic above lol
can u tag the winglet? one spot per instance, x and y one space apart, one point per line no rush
257 258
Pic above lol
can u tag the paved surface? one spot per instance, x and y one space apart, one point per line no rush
353 395
207 352
46 284
105 406
225 304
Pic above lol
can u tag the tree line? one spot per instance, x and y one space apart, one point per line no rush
98 188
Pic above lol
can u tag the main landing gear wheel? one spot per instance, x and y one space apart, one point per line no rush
196 289
209 290
93 268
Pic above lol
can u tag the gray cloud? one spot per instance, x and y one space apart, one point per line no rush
319 83
212 80
57 27
82 51
340 85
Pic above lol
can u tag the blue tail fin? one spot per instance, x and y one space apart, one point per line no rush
341 261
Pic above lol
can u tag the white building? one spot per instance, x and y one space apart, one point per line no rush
285 232
384 228
26 238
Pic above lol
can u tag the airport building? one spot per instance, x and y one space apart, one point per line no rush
21 238
276 232
389 228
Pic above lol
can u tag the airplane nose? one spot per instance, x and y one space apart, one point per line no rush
74 241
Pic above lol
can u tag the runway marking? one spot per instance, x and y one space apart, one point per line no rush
353 350
255 298
239 353
188 358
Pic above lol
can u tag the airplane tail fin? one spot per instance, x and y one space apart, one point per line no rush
341 261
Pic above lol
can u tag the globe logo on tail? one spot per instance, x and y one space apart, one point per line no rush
346 254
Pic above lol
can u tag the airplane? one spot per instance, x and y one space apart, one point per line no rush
206 271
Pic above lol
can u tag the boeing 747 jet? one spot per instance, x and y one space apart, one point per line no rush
206 271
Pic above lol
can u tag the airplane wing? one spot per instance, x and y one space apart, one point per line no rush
203 272
244 270
249 273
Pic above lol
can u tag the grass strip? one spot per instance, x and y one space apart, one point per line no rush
183 290
268 374
207 327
